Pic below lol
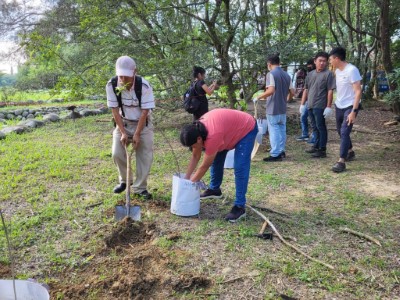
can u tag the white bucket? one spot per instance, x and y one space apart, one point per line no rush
230 159
185 200
25 290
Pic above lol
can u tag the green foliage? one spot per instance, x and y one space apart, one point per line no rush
7 79
393 97
7 93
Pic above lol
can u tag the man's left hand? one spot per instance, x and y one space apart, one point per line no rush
351 118
136 141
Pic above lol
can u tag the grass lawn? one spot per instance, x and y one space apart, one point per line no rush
56 191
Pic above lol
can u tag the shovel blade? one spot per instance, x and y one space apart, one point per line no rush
121 212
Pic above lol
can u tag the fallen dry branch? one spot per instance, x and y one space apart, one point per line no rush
360 234
271 210
276 232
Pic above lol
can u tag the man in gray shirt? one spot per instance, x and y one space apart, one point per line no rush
319 87
279 88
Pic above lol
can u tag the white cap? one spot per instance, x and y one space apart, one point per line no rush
125 66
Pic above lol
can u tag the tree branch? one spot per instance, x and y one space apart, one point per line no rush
356 30
286 242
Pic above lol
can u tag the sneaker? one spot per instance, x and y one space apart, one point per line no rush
144 195
283 154
272 158
211 194
302 138
339 167
350 156
236 214
319 154
120 188
312 150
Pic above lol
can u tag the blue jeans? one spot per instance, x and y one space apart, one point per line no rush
241 166
277 133
344 130
319 127
304 124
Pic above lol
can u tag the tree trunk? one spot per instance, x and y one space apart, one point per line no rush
348 19
385 36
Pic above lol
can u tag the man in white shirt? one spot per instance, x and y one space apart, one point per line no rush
131 99
347 104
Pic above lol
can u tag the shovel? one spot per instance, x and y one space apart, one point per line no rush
258 140
122 211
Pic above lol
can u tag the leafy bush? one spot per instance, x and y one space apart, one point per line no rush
393 97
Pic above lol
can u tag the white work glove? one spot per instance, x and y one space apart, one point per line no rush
255 100
302 109
328 112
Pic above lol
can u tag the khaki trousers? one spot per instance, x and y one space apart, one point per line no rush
143 154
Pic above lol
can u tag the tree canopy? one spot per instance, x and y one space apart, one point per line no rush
73 44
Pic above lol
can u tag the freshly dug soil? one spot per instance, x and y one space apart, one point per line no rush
5 271
130 267
130 232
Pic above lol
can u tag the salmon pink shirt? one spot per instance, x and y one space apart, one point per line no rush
225 127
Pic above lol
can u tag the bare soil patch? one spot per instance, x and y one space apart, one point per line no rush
129 267
5 271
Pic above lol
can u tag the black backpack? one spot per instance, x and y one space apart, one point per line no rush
137 88
191 102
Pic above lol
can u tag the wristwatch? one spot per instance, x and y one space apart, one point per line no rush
354 110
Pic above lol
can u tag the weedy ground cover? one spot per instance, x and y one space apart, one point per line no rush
56 192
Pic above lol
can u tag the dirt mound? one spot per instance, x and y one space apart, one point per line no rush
130 232
132 267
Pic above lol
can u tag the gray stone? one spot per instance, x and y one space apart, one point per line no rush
72 115
90 112
2 135
104 110
3 121
32 123
14 129
2 116
51 117
10 116
18 112
31 111
25 113
30 116
19 117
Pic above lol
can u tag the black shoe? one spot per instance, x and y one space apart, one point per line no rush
319 154
339 167
283 154
211 194
236 214
272 158
350 156
144 195
312 150
120 188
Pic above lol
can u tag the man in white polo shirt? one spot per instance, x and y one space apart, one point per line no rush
131 99
347 104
